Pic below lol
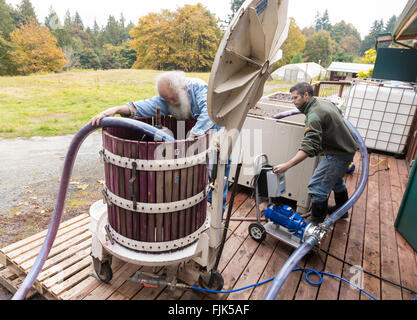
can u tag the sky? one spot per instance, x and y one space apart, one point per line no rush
361 13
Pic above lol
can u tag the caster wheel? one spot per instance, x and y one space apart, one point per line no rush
257 232
103 270
212 280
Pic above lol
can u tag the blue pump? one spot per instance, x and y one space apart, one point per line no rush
286 217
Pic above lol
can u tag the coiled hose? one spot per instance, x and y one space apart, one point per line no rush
75 145
310 242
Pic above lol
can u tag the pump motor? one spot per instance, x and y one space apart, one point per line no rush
286 217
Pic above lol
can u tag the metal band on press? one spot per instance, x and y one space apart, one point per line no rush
160 246
155 208
154 165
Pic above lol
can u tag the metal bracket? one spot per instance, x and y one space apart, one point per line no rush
106 199
103 157
131 188
108 234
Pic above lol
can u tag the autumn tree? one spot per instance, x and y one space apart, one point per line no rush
35 49
295 43
185 39
319 48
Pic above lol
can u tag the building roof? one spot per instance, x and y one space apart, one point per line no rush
349 67
311 68
407 22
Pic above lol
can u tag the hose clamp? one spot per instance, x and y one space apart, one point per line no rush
318 232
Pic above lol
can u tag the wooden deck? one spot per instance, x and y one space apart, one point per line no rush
367 239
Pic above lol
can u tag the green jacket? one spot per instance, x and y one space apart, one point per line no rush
326 132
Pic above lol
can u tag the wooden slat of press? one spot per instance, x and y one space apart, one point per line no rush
189 194
159 189
354 246
41 235
371 260
167 191
134 154
151 193
254 269
82 289
175 197
122 191
389 254
407 263
116 188
103 291
127 176
143 193
62 235
63 244
183 191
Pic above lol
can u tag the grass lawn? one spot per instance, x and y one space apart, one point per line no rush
60 104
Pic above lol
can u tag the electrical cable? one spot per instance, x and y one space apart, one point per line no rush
308 274
369 273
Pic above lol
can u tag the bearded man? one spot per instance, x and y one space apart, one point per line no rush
184 98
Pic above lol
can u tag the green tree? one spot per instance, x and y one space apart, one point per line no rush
343 29
24 13
319 48
7 65
390 25
322 22
112 32
89 59
6 21
234 6
78 22
297 58
370 40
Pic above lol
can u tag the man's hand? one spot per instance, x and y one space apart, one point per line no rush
282 168
299 157
105 114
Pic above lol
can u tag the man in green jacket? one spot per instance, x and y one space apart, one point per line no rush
326 135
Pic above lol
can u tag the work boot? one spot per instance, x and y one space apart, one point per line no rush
318 212
341 198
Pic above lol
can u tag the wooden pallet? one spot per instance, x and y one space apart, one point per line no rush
68 263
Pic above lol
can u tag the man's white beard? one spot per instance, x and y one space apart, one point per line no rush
182 109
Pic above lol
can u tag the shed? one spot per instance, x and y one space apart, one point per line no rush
298 72
346 71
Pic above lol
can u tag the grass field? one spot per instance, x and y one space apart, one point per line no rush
60 104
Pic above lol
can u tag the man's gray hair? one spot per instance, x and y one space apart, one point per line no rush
174 79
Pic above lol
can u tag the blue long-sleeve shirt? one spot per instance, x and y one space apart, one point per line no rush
197 90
